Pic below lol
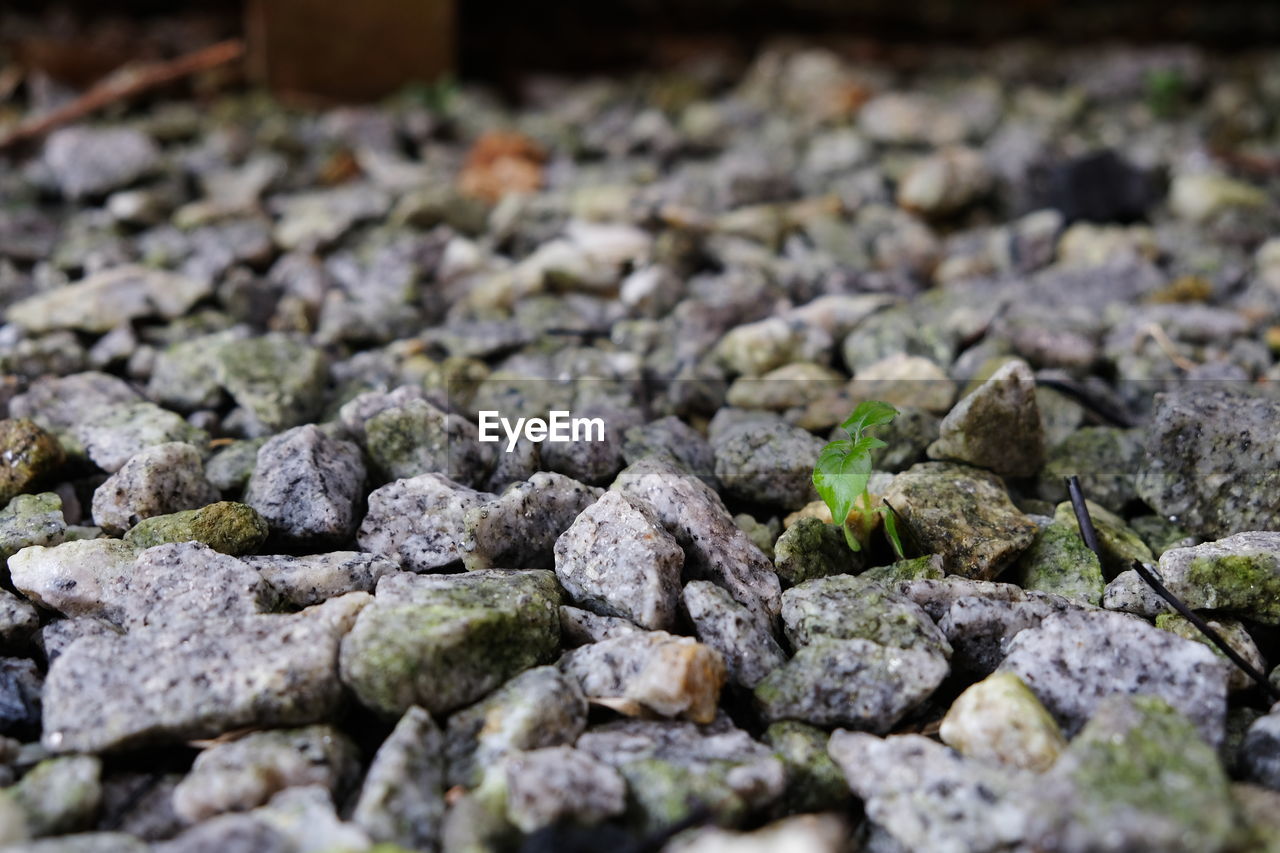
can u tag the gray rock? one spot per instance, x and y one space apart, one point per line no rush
936 595
443 641
1260 751
60 795
402 798
86 842
90 161
109 299
419 522
716 549
540 707
519 529
579 627
1129 593
18 620
31 520
1213 461
311 579
616 559
1236 636
558 783
58 635
231 833
962 513
58 403
856 683
102 692
980 629
594 462
997 426
20 696
230 467
747 645
672 439
926 796
814 783
1075 659
1118 543
767 462
115 433
1106 459
159 480
241 774
1239 574
276 379
307 485
847 607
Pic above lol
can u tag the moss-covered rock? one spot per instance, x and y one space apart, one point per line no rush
418 438
996 427
1160 534
226 526
928 567
28 456
1106 459
277 379
812 548
1119 544
60 795
1240 574
31 520
999 720
814 783
847 607
1058 561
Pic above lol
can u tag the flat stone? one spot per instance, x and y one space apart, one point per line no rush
31 520
997 426
115 433
197 679
617 559
311 579
519 528
962 513
1000 721
1075 659
307 485
747 645
108 299
159 480
402 799
444 641
90 161
58 403
1239 574
559 783
28 455
226 526
848 607
419 522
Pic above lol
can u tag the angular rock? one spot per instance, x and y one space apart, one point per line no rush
20 696
197 679
519 529
57 403
1231 630
676 442
747 646
1119 544
307 485
230 468
443 641
226 526
1239 574
31 520
90 161
184 375
1000 721
60 795
767 462
981 629
1106 460
278 380
108 299
847 607
308 580
962 513
18 619
911 569
402 799
1129 593
997 426
936 595
159 480
115 433
1059 562
419 438
419 522
812 548
579 627
616 559
28 455
559 783
814 783
1075 659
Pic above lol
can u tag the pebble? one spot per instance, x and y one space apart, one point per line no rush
161 479
1059 562
92 161
767 462
747 646
419 438
115 433
997 426
21 688
106 300
402 798
520 528
276 379
1000 721
306 580
226 526
811 548
814 783
676 442
307 485
28 455
846 607
60 795
559 783
1233 631
980 629
31 520
945 182
419 522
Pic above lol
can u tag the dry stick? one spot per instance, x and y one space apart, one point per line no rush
124 84
1090 536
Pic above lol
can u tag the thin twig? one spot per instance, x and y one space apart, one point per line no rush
124 84
1206 629
1087 531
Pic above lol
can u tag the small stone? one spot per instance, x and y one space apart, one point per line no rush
716 549
402 799
245 773
419 522
185 377
1000 721
418 438
1200 197
18 620
925 796
60 795
267 670
937 595
997 426
756 348
58 403
519 529
1119 545
1106 459
88 842
230 468
1129 593
761 533
855 683
307 485
980 629
91 161
914 568
962 513
812 548
1059 562
308 580
908 437
749 650
1239 574
116 433
277 379
945 182
559 783
1260 751
651 671
443 641
845 607
1075 659
1231 630
813 833
57 635
28 455
674 441
31 520
20 696
904 381
161 479
1139 776
617 560
108 299
579 627
226 526
767 462
786 387
814 783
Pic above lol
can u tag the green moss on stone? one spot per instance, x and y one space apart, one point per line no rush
811 548
1120 545
28 455
31 520
1058 561
230 527
928 567
814 782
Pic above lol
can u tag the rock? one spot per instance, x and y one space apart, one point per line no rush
1119 545
402 799
31 520
1077 658
559 783
812 548
761 533
1231 630
1059 562
914 568
307 485
161 479
316 218
20 696
904 381
980 629
304 581
28 455
105 300
115 433
579 627
185 373
1130 594
230 468
787 387
1260 751
845 607
18 620
925 796
814 783
747 646
226 526
91 161
540 707
60 795
650 671
962 513
1000 721
419 438
676 442
1106 459
997 426
945 182
767 462
937 595
716 549
57 635
753 349
674 768
1199 197
278 380
85 842
616 559
1101 186
907 439
816 833
856 683
58 403
268 670
419 522
1137 777
1239 574
443 641
519 529
1212 460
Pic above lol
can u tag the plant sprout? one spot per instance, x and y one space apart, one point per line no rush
844 468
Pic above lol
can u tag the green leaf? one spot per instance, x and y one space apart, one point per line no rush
841 477
867 414
891 531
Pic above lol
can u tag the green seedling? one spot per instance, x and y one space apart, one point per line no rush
844 468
